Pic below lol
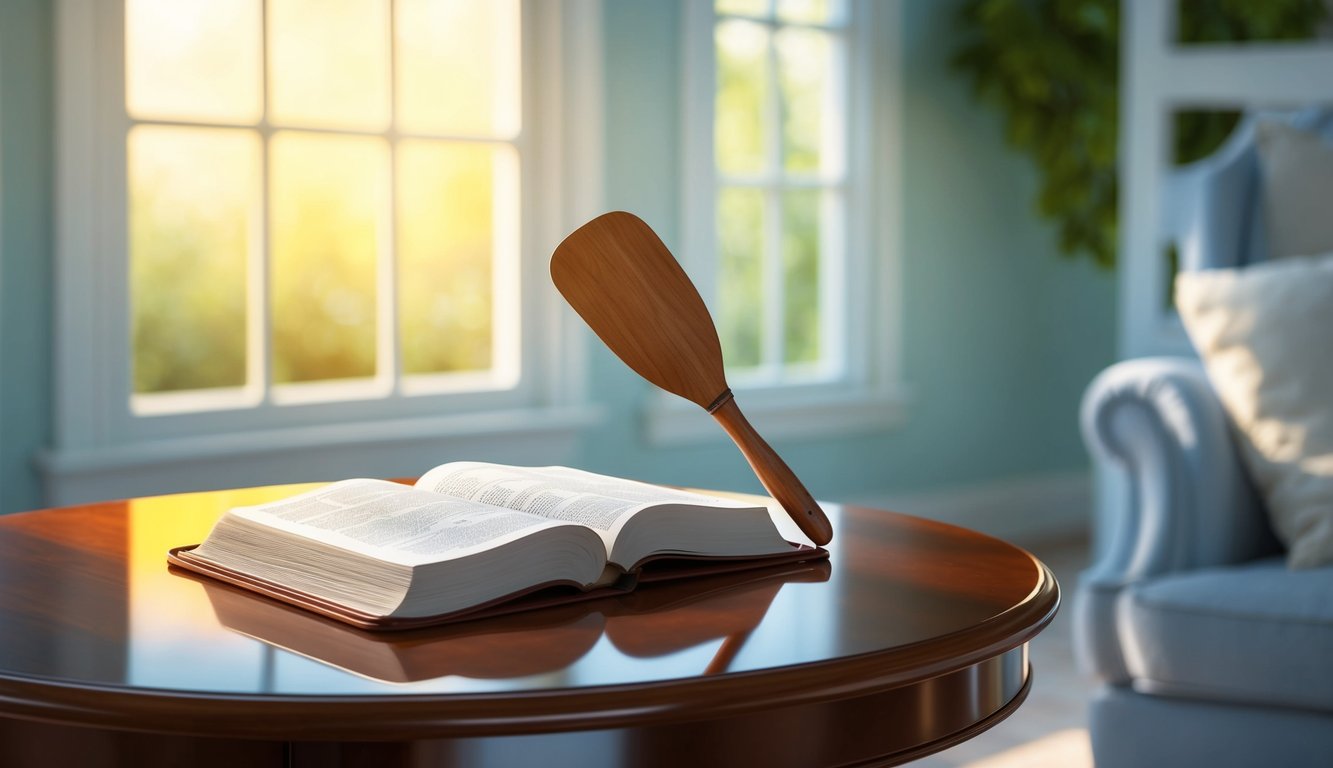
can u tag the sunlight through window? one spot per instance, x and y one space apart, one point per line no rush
779 146
322 199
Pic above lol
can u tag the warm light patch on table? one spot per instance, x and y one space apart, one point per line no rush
166 612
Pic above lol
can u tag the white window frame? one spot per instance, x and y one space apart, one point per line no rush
103 449
867 394
1159 76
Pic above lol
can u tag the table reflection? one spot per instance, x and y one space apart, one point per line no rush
169 625
714 614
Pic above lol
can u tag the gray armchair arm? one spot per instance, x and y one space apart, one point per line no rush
1188 503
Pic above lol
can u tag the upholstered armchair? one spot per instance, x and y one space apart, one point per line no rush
1208 650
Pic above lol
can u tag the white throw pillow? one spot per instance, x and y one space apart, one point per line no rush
1297 190
1265 334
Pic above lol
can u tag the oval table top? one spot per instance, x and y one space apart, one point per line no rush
95 630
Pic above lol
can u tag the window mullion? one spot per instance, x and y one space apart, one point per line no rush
790 182
388 338
774 341
837 206
260 317
832 272
259 345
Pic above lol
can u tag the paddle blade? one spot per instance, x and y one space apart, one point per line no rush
620 278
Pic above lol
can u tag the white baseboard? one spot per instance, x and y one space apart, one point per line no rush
1025 509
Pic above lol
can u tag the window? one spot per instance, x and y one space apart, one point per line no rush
778 154
294 214
334 215
790 206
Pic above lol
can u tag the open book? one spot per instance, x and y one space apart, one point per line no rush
468 537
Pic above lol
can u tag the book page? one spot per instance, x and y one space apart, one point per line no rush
395 522
560 493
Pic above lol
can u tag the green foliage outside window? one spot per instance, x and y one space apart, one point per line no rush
1052 68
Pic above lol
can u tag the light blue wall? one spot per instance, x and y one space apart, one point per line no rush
26 125
1000 334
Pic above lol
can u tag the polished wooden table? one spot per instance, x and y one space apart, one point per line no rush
912 637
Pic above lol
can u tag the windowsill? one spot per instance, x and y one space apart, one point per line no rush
393 447
781 413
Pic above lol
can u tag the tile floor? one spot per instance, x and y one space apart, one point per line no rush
1050 729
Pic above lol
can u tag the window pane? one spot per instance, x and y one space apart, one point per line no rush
446 246
193 59
810 11
800 264
458 66
740 229
329 63
192 196
744 7
328 203
742 97
803 69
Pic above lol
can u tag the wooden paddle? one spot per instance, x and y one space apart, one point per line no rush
616 273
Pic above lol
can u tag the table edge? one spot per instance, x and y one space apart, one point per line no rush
505 713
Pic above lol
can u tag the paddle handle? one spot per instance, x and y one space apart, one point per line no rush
774 473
